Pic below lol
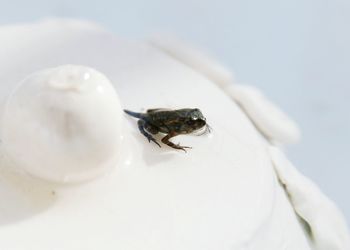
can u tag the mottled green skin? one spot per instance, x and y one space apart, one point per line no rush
170 122
180 121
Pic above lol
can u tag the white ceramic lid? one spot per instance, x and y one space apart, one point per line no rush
216 196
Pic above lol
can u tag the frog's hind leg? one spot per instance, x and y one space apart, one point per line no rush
166 141
142 127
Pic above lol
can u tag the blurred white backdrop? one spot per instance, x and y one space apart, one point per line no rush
297 52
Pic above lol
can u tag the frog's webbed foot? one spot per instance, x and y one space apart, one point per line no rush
166 141
142 125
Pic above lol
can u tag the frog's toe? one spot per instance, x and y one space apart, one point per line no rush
181 147
154 140
184 148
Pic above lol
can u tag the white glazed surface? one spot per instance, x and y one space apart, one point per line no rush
222 194
324 222
50 129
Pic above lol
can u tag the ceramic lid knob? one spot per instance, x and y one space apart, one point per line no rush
63 124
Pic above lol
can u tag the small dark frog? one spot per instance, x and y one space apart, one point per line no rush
171 123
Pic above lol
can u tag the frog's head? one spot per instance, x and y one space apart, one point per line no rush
197 120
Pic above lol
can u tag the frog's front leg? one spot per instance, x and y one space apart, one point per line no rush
144 125
166 141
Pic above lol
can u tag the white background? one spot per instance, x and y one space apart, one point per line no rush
297 52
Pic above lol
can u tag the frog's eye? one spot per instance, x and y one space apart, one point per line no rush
194 118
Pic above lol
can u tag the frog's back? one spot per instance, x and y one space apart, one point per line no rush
168 120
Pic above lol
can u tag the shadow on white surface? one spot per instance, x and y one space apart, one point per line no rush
22 197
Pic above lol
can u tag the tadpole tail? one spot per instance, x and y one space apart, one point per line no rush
134 114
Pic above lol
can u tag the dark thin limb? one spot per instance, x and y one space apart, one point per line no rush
166 141
141 124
